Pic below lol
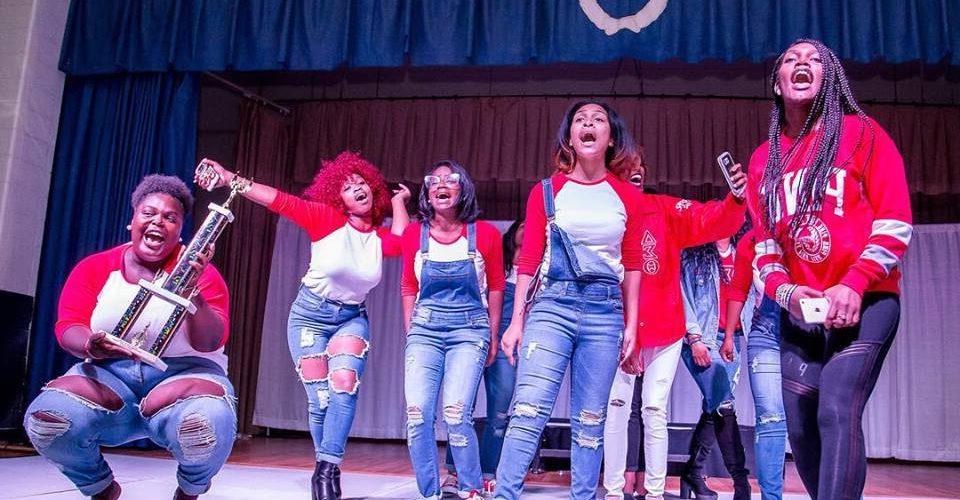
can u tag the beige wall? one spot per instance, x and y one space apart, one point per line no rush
30 91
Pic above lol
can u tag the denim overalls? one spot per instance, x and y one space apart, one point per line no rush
447 343
576 319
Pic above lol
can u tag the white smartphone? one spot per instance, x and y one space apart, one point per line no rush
726 163
814 309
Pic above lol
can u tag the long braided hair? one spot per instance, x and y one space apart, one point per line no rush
832 102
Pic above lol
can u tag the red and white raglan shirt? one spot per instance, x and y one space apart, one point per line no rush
604 216
669 225
488 260
97 294
861 234
345 262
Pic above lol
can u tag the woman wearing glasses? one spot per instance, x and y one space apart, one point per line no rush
452 288
327 331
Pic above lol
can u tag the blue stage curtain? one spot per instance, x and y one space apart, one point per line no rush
111 36
114 130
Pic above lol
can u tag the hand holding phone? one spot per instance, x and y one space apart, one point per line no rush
814 309
732 173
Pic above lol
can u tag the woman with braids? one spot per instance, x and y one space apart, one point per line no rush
327 331
112 397
711 354
829 193
452 291
582 238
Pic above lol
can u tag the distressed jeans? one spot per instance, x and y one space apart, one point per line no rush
763 359
328 342
444 350
580 325
112 402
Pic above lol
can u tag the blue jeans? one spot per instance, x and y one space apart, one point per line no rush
68 427
445 349
328 341
574 324
718 380
763 356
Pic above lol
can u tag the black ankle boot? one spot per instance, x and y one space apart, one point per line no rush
336 480
692 479
728 436
323 481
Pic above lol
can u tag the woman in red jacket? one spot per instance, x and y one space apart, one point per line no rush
830 195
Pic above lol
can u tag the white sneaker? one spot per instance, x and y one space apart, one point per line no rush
450 485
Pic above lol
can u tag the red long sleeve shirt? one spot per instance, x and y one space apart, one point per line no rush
864 227
668 225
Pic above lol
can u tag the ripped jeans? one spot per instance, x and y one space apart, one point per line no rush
189 410
328 343
763 359
569 324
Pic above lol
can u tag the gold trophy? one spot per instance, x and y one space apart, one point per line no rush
173 287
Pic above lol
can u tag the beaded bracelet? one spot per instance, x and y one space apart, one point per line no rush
784 293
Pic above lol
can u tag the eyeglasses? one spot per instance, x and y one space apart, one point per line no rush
448 180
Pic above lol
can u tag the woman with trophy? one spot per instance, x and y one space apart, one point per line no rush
184 402
327 331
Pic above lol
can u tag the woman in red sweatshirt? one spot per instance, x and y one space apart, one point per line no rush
830 196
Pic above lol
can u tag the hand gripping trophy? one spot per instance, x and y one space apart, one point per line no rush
174 287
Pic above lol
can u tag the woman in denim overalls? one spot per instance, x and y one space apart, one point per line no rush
449 323
582 237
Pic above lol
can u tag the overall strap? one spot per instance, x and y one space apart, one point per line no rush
472 240
548 207
424 240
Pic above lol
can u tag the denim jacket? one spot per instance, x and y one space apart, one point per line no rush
701 304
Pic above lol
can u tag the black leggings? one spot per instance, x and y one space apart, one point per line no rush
828 376
635 429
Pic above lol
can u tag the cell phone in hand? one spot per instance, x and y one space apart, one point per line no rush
814 309
726 163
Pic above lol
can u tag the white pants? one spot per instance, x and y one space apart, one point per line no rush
660 367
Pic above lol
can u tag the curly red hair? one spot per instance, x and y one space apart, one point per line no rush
329 180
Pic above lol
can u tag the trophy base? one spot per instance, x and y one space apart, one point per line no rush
141 354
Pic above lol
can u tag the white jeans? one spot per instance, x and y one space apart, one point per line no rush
660 367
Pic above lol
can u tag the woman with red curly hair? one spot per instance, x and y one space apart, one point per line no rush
327 331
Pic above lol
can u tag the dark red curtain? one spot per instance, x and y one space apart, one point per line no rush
506 142
244 252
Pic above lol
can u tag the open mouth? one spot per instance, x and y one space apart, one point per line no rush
153 238
443 196
801 76
361 197
588 138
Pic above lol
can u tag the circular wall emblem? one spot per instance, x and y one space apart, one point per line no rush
812 242
635 22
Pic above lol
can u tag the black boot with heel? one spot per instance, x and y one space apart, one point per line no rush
693 484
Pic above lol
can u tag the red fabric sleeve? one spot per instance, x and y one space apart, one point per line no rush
885 189
490 247
742 269
410 245
391 244
317 219
213 289
694 223
534 233
78 298
631 250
